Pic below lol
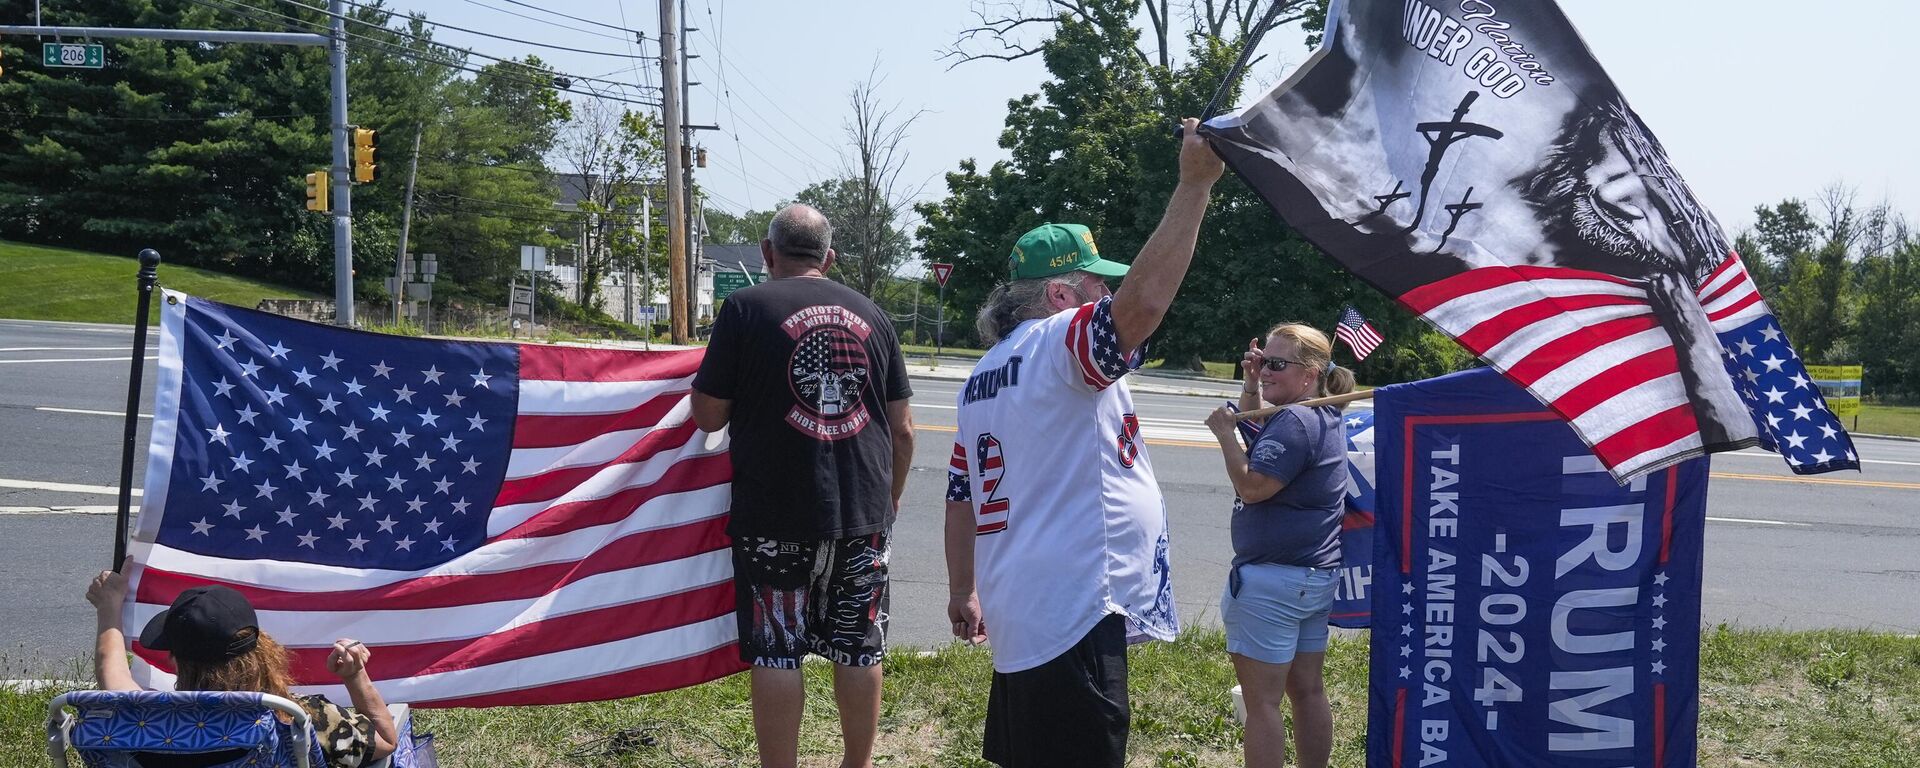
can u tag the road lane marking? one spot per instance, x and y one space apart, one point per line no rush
1150 440
84 509
1820 481
76 360
1765 455
1756 522
60 349
36 485
51 409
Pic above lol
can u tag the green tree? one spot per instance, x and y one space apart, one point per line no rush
745 227
1094 146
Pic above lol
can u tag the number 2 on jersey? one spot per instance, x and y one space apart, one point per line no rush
992 467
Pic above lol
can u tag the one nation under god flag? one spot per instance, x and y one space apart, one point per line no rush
501 524
1472 160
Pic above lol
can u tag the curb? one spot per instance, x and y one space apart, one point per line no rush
1900 438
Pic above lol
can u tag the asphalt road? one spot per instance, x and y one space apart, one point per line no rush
1840 550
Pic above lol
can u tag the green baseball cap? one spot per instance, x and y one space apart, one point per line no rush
1056 249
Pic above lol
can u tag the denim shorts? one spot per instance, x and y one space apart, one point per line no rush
1277 610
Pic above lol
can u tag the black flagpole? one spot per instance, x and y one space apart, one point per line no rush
1246 52
149 274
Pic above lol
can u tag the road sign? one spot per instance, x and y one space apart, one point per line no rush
942 272
533 258
725 282
76 55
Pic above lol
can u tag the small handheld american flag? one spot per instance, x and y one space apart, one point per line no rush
1357 333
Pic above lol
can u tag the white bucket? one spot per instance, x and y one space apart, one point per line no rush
1239 706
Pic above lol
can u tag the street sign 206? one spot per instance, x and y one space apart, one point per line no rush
82 55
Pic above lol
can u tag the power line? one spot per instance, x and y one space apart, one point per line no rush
445 25
623 16
776 135
802 125
413 37
543 21
249 12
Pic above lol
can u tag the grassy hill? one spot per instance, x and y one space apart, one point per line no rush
40 283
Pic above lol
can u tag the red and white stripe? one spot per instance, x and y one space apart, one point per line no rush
1730 297
605 572
1589 345
1362 339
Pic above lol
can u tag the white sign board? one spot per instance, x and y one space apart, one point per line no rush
533 258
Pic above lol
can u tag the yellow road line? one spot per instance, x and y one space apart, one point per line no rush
1819 481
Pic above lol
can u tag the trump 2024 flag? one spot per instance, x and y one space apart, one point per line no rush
1471 159
500 524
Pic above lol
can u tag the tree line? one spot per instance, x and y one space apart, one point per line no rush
200 150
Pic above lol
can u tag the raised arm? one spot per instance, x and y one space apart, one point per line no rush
1148 289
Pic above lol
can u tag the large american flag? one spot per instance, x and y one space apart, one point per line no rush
1589 345
500 524
1357 333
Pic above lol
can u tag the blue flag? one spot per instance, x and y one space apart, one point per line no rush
1528 609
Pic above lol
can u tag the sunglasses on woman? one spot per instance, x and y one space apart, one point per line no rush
1277 364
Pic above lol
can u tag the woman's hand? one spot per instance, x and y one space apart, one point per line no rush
1222 421
348 659
109 589
1250 364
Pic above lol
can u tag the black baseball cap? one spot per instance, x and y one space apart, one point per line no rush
204 624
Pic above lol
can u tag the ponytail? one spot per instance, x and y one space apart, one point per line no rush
1336 380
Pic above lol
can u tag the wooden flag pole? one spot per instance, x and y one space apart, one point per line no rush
1261 413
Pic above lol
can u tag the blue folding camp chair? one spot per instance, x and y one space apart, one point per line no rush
148 729
201 729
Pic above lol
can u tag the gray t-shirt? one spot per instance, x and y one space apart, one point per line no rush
1306 449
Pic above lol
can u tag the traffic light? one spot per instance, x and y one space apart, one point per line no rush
317 188
365 142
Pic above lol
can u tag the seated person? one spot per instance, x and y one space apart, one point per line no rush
216 645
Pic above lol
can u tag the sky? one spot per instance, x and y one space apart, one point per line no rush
1755 100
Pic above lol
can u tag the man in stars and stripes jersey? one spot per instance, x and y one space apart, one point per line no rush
1056 532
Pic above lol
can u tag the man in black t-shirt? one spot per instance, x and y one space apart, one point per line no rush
807 375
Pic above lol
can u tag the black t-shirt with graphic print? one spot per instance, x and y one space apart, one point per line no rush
810 365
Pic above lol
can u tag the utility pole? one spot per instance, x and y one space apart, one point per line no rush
670 95
342 171
406 223
686 166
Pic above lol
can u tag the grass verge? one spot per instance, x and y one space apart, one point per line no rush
1768 698
1877 419
41 283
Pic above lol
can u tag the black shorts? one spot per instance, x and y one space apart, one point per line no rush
824 597
1071 710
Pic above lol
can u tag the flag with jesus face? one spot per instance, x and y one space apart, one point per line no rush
1474 162
499 523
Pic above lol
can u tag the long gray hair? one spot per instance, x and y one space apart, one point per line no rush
1015 302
